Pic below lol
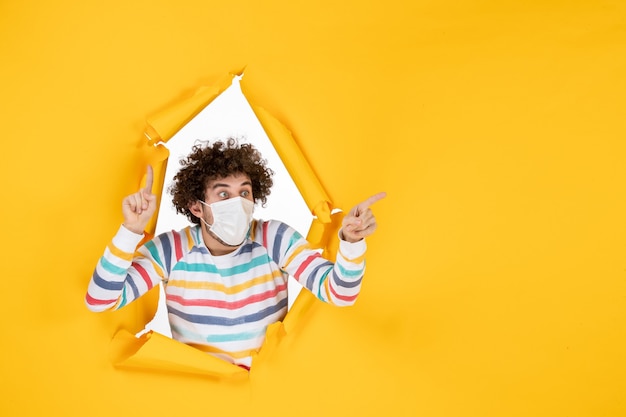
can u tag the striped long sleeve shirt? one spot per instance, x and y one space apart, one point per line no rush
223 304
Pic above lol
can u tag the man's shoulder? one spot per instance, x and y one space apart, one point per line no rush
189 235
270 224
270 229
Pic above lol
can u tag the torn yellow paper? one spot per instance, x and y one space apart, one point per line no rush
153 351
303 176
158 352
496 281
321 234
164 124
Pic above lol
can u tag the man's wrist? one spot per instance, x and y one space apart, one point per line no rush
343 237
132 230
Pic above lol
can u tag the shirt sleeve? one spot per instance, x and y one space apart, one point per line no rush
337 283
125 271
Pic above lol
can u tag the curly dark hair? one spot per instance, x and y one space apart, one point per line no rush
208 162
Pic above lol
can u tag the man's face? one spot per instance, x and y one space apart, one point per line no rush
237 185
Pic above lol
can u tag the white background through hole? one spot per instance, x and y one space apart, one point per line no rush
230 115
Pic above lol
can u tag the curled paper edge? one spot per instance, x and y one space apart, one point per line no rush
154 351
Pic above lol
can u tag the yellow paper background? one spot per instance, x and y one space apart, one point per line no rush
496 283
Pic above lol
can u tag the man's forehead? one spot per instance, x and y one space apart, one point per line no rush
234 180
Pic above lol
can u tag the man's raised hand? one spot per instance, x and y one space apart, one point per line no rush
360 221
139 207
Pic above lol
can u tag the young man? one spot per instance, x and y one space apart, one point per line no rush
225 277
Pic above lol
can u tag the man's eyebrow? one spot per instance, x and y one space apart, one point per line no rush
221 184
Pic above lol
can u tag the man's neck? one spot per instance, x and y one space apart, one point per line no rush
214 245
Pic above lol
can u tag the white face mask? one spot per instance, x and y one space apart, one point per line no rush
231 219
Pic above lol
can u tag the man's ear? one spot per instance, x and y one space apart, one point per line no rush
195 209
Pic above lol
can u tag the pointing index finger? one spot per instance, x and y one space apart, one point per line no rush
149 179
367 203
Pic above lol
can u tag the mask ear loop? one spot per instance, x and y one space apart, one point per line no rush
202 218
209 226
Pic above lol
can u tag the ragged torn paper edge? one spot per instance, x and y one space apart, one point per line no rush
154 351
